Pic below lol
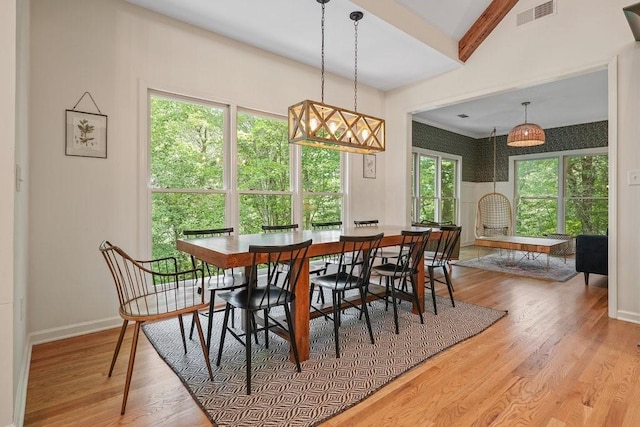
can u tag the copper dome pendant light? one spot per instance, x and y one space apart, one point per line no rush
317 124
526 134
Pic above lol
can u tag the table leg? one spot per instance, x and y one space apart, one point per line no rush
300 311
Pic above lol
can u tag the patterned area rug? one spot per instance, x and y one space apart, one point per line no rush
558 271
281 396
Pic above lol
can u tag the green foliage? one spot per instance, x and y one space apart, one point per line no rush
85 132
585 202
187 152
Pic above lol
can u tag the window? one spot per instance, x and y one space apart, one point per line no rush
565 193
186 169
586 194
435 187
537 197
321 186
199 180
264 172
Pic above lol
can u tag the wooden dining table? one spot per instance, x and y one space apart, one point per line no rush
233 251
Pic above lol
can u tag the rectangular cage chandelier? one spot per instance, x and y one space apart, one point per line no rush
317 124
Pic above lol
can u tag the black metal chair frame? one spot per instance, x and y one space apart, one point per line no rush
440 258
328 259
279 228
263 292
405 270
363 250
224 287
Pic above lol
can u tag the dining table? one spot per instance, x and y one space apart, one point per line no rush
228 252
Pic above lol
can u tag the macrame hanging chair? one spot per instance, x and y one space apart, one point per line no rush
493 213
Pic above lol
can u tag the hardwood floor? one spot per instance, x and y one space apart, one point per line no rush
555 360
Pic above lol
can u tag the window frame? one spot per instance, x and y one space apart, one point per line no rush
416 153
561 157
230 168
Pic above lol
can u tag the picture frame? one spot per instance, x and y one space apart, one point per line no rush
369 166
85 134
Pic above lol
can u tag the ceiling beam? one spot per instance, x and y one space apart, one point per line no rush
483 26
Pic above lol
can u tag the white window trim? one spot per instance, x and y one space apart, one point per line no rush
458 183
230 168
559 155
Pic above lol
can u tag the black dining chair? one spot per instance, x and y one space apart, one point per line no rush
440 258
354 270
266 289
279 228
218 280
316 269
403 272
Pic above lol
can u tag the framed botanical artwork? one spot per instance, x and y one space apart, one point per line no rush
369 165
86 134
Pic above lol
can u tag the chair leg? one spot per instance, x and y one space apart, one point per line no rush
118 345
249 319
184 340
449 285
395 305
433 289
255 327
586 279
266 328
210 319
320 296
416 300
292 338
132 359
223 334
363 306
336 321
203 344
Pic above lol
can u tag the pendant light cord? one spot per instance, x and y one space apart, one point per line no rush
322 58
493 133
355 70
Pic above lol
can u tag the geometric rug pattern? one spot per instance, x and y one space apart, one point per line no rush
559 270
326 386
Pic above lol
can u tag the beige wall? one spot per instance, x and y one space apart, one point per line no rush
115 51
584 35
7 149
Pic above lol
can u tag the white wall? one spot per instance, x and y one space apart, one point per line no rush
584 35
116 50
7 149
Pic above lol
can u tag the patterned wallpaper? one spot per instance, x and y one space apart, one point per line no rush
443 141
477 154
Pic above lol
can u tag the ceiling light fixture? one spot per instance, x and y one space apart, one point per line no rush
633 17
317 124
526 134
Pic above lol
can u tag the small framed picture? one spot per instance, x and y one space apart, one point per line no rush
86 134
369 165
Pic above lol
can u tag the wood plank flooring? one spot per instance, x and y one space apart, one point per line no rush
555 360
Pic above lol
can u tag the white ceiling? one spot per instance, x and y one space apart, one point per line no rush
452 17
575 100
388 57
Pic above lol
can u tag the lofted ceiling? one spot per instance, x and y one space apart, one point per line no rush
388 56
399 42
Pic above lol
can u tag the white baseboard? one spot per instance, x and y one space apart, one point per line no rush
629 316
55 334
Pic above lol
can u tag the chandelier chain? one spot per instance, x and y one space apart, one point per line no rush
355 70
322 58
